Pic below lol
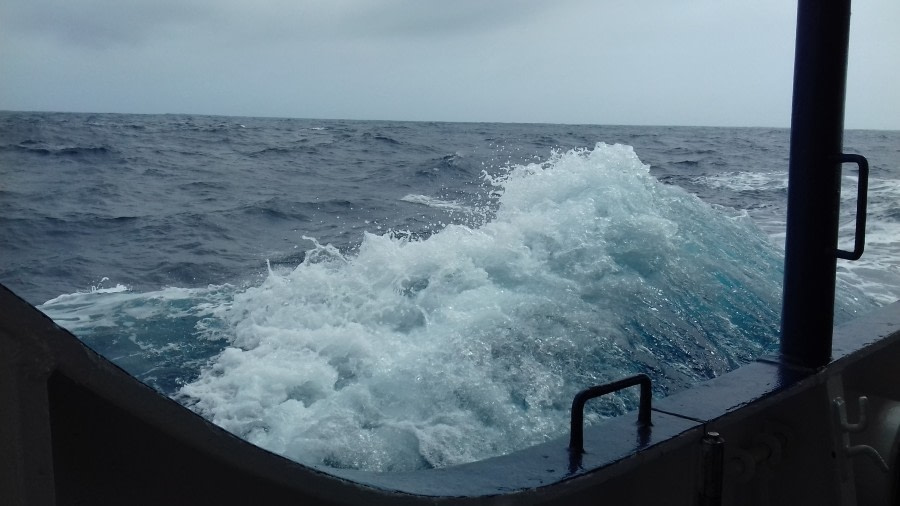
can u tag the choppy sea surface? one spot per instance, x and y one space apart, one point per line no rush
393 296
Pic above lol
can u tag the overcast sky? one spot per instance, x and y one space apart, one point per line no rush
645 62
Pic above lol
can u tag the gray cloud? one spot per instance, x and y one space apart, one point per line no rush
400 18
651 61
107 23
102 23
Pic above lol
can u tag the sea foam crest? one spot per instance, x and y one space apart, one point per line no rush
471 343
436 203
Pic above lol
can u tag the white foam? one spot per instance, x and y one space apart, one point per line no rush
85 312
471 343
94 290
436 203
742 181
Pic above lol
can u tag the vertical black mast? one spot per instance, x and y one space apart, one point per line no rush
817 123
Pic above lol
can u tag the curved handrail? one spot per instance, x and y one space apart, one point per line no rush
576 431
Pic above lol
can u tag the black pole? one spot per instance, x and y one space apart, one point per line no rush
814 182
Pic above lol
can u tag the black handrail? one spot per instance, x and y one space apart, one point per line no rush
862 190
576 430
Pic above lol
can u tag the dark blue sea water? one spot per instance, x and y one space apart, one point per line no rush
392 295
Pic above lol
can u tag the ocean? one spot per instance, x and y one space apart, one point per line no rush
389 296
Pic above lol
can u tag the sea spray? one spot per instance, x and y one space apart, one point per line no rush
471 342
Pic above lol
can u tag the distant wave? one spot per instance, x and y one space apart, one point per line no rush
436 203
746 181
57 150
